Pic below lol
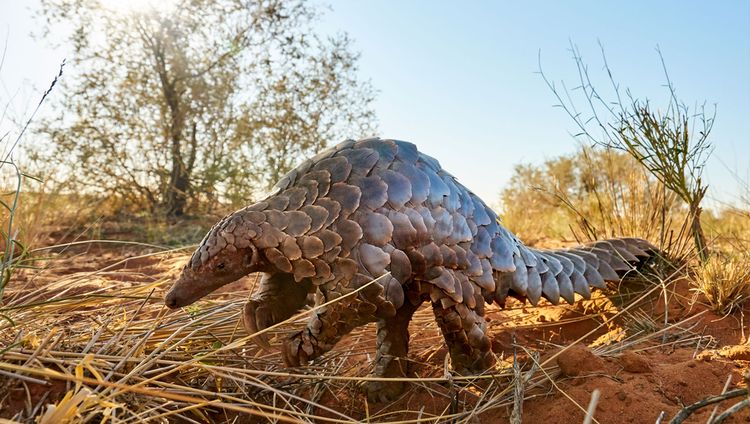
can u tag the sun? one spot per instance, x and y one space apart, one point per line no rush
137 6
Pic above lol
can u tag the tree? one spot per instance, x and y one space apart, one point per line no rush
200 103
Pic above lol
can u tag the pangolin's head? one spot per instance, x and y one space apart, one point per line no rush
225 255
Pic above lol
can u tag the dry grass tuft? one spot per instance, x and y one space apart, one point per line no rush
725 281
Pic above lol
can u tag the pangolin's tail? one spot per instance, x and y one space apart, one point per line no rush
556 274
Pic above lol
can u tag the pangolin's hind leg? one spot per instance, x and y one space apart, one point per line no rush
465 333
392 349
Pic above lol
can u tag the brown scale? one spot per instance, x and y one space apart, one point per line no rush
379 208
322 179
296 196
332 207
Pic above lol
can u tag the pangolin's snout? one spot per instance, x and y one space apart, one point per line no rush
171 300
186 291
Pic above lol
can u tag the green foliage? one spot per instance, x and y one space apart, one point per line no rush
152 230
12 251
182 109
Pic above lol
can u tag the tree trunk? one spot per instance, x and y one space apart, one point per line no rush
179 183
179 178
176 195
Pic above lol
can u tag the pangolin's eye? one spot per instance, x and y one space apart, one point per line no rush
220 266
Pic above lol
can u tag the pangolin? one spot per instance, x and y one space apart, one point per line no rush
380 208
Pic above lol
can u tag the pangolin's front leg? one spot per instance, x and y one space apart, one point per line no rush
277 299
325 328
391 358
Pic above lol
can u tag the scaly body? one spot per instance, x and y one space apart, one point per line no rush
364 209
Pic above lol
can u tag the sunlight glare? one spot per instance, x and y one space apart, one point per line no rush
137 6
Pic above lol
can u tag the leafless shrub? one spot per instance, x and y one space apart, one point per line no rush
670 142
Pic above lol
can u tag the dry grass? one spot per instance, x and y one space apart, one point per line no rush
131 360
103 339
725 281
596 194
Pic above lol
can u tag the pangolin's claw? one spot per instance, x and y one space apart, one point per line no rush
384 391
250 321
293 355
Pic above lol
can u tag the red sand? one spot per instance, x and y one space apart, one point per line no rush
636 385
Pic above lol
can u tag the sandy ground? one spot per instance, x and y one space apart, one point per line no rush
692 357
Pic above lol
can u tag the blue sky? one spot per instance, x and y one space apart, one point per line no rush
460 81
